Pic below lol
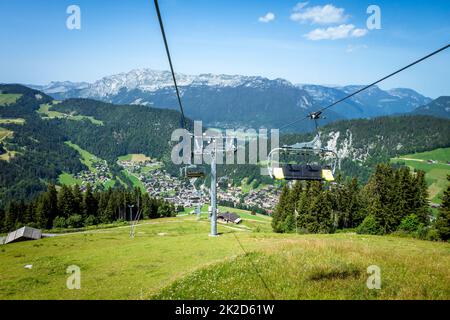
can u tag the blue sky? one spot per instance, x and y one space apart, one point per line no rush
228 36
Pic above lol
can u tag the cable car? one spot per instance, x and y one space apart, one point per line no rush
305 161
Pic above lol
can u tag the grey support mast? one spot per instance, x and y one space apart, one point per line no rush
214 191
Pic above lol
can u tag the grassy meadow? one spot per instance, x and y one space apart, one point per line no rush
8 98
436 173
174 258
47 113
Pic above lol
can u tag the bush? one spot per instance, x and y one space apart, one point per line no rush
409 223
442 224
369 226
90 221
433 235
74 221
59 222
422 231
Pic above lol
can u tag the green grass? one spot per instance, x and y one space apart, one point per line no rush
47 113
4 133
8 98
257 223
135 157
247 187
12 121
151 168
68 179
244 214
322 267
134 180
441 155
436 173
8 155
125 157
109 184
175 258
87 158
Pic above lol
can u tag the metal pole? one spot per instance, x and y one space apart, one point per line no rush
131 220
296 218
213 191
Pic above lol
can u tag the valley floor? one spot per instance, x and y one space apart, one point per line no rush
174 258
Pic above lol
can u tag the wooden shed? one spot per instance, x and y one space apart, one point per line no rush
23 234
228 217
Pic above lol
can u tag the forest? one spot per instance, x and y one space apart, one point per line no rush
71 208
395 200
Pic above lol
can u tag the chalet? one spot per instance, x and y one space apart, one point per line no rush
228 217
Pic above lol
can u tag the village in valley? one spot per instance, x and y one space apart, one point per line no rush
188 193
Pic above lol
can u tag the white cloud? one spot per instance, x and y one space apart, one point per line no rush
359 33
319 14
352 48
299 6
334 33
268 17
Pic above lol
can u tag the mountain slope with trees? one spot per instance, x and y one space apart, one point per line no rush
38 146
362 144
439 108
392 200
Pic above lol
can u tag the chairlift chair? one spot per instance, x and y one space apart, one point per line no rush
193 172
311 161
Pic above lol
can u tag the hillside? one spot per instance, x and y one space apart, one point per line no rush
34 151
238 101
360 144
439 108
436 164
175 258
34 131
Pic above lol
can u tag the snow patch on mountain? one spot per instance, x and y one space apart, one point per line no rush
148 80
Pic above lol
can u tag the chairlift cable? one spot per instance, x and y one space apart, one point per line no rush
369 86
183 122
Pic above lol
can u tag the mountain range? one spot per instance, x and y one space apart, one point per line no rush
37 135
239 101
439 108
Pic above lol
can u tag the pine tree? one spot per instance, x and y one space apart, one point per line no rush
354 205
442 223
43 209
90 205
383 199
107 215
289 222
422 203
324 213
303 206
103 204
2 219
279 214
66 202
77 199
11 216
